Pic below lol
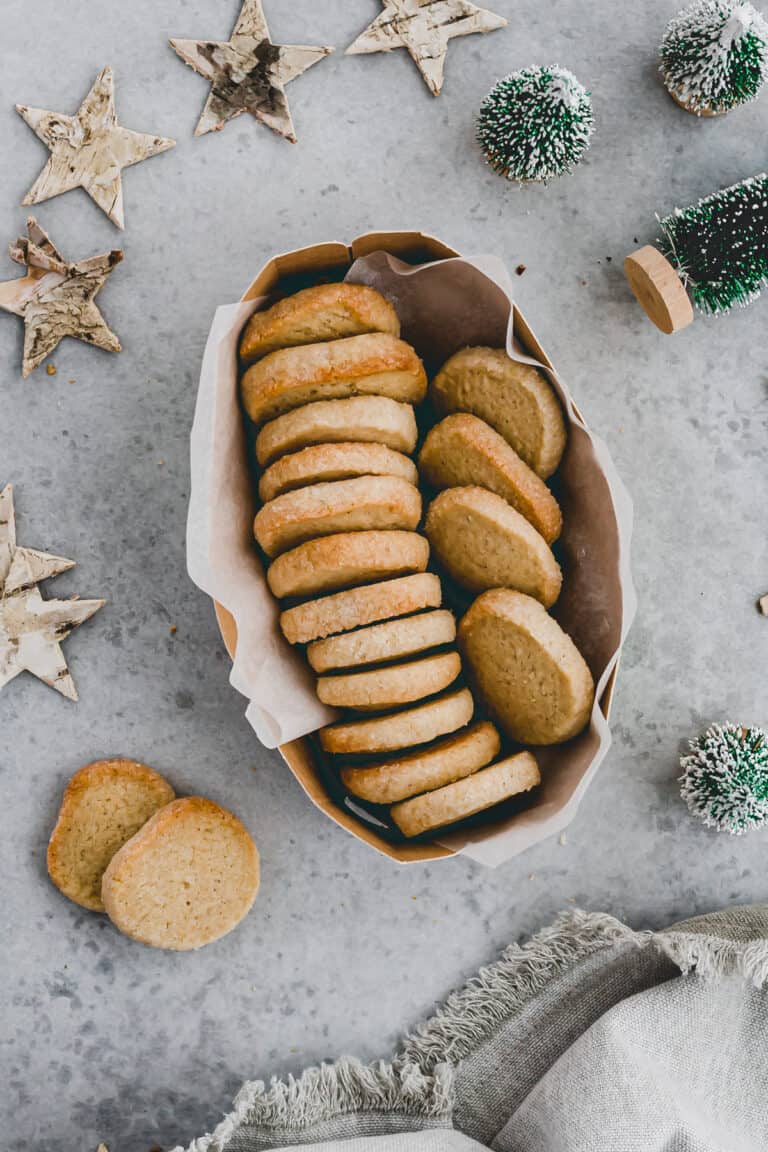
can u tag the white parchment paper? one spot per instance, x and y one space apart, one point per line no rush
442 307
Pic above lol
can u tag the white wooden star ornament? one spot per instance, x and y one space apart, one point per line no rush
248 73
31 628
56 298
424 27
90 149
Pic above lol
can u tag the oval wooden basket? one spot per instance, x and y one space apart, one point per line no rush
287 273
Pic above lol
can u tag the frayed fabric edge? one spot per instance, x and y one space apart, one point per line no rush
321 1093
713 957
419 1081
503 988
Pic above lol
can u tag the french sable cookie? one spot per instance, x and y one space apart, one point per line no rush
513 398
428 768
392 640
360 606
104 804
325 312
484 543
374 419
466 797
403 729
391 686
527 670
346 560
463 449
322 463
186 878
365 503
375 364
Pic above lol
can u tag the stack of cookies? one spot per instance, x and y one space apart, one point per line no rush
330 389
171 873
491 528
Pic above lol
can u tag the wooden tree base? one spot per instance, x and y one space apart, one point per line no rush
702 113
658 289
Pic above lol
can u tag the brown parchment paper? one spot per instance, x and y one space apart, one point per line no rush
443 306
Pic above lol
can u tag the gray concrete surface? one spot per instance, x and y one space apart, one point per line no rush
102 1038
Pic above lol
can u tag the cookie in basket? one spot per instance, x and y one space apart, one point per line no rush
324 312
527 670
345 560
392 686
372 419
467 797
356 607
516 399
392 640
375 364
463 449
361 504
483 542
405 729
426 768
323 463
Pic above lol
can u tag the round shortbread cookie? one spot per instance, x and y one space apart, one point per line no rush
360 606
325 312
484 543
366 503
515 399
372 419
467 797
185 879
392 640
373 365
322 463
404 729
462 449
528 671
104 804
429 768
346 560
392 686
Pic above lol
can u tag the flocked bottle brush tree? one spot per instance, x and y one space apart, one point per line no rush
712 255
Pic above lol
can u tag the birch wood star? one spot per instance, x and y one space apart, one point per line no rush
424 27
56 298
90 149
248 73
31 628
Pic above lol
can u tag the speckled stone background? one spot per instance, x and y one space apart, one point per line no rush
105 1039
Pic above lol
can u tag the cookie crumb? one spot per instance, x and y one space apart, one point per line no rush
520 269
173 629
51 369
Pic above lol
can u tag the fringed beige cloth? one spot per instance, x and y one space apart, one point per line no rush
588 1038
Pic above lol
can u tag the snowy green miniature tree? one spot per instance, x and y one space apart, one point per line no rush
725 778
535 124
720 245
714 56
